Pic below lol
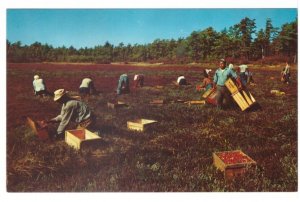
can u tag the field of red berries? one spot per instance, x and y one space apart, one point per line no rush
174 156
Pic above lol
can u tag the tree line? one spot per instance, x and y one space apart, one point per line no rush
240 42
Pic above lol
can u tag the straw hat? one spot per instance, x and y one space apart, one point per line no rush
59 93
36 77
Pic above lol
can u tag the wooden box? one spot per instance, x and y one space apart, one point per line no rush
212 98
196 102
207 93
115 104
157 102
159 87
231 86
232 163
140 124
39 129
243 99
81 138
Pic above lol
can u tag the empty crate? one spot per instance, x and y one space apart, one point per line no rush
81 138
115 104
140 124
231 86
243 99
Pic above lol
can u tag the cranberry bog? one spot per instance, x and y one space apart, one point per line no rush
174 156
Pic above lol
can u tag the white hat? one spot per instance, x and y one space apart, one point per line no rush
207 71
59 93
36 77
230 66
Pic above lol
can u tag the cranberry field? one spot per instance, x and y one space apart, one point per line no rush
173 156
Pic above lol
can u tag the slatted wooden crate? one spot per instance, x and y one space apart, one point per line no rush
243 99
207 93
212 98
39 129
232 163
231 86
115 104
81 138
140 124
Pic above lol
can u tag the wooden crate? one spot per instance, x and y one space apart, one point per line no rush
231 86
232 163
39 129
212 98
277 92
157 102
115 104
207 93
81 138
196 102
140 124
243 99
159 87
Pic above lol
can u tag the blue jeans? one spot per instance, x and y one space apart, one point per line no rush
123 85
243 77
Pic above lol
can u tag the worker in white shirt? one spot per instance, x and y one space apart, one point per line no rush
138 80
87 86
243 76
72 110
181 80
39 87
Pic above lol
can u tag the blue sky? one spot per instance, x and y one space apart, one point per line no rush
90 27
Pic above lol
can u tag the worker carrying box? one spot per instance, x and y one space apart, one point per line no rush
243 98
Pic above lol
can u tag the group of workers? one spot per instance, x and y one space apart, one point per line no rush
242 77
74 110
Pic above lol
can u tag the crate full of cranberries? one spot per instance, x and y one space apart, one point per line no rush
232 163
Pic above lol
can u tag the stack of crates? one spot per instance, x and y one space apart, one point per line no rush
244 99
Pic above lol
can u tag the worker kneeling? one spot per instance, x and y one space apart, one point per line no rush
72 110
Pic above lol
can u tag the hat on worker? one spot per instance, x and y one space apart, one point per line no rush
207 71
223 61
59 93
36 77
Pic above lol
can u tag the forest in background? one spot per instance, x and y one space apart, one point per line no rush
239 43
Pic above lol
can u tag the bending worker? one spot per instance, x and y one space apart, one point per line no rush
39 87
123 84
87 86
71 111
